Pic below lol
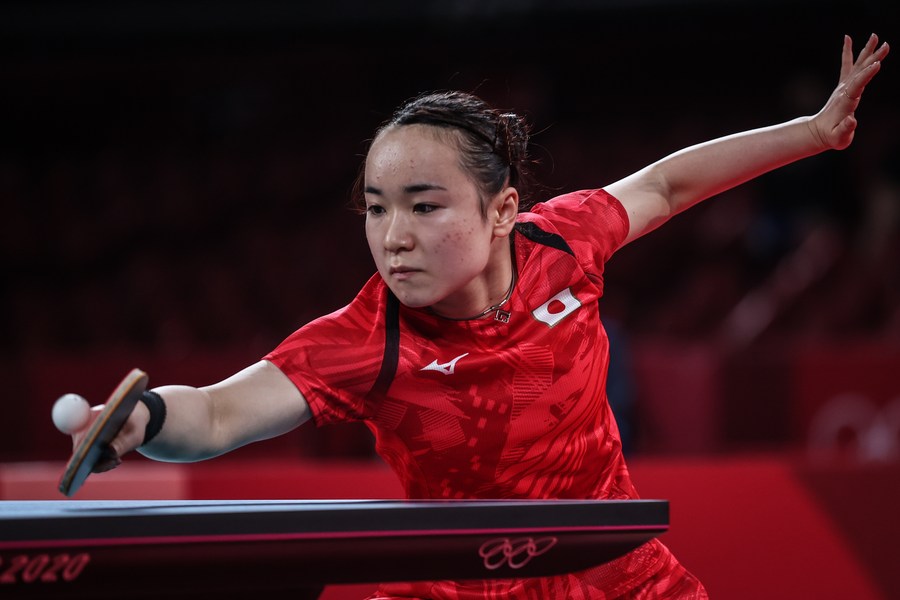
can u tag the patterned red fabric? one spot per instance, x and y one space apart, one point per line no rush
649 578
486 409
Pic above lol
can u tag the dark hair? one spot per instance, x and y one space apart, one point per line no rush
493 145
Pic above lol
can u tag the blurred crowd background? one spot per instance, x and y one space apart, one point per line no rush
175 186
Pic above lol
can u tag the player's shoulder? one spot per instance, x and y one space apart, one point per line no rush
578 202
567 214
593 224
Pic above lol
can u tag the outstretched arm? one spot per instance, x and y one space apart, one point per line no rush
657 192
256 403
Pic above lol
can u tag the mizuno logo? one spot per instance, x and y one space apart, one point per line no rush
447 368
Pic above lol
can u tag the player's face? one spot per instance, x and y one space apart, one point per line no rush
425 227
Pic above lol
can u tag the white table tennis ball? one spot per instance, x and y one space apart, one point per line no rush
71 413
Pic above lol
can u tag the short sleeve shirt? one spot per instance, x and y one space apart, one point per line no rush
482 408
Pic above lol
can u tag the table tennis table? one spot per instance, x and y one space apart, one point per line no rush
279 549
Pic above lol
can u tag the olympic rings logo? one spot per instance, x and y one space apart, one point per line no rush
516 552
852 425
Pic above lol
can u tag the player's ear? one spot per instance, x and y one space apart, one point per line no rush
504 210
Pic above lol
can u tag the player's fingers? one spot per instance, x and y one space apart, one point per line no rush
79 435
108 461
870 46
846 58
128 438
866 50
865 54
870 55
857 84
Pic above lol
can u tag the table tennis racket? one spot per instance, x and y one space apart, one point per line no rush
102 431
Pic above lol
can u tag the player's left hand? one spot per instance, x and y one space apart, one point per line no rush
835 124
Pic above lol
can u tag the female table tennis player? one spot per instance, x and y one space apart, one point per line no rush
476 354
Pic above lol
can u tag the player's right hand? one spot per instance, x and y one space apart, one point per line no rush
129 437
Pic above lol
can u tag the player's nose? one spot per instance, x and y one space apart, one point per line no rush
398 234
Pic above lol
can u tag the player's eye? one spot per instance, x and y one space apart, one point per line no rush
424 208
374 209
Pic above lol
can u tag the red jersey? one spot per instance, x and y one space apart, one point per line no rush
488 409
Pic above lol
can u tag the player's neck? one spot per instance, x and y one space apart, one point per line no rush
499 284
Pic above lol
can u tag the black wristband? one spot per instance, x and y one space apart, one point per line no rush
157 407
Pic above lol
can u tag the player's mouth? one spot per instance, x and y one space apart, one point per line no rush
402 273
